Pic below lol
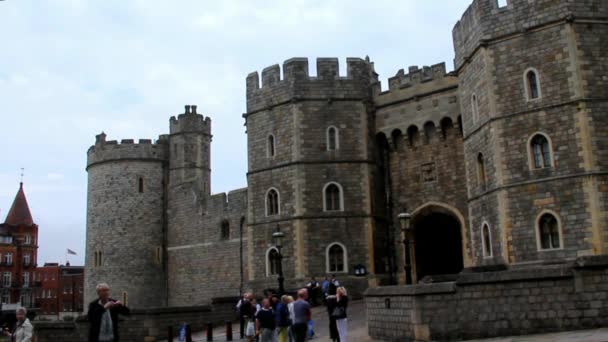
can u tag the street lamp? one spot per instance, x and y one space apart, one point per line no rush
278 236
404 221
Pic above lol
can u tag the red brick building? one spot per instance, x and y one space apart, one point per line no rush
60 291
18 254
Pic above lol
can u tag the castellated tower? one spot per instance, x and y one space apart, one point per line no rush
311 162
125 220
532 86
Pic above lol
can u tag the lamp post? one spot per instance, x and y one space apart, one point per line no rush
404 220
278 236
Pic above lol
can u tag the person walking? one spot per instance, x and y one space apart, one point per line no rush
332 302
265 322
247 311
24 330
302 315
313 289
283 319
103 316
340 314
242 320
292 318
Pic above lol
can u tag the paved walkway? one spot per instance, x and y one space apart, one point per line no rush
357 329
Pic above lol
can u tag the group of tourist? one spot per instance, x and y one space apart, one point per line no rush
283 319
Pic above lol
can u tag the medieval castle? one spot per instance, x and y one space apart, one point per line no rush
502 162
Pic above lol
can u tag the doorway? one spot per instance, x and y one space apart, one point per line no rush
438 244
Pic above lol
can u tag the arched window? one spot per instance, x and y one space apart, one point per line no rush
272 202
549 235
333 138
540 151
532 84
397 139
486 240
225 230
429 130
140 184
474 108
336 258
446 126
272 262
481 170
270 147
413 135
332 197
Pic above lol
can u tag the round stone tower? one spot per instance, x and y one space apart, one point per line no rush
532 86
125 220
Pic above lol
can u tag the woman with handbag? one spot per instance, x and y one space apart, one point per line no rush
340 314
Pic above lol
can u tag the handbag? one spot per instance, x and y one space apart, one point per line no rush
250 331
339 312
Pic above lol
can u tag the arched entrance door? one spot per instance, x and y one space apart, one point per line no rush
438 242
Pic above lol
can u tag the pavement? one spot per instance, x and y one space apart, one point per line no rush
357 330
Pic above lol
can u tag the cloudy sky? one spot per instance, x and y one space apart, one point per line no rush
70 69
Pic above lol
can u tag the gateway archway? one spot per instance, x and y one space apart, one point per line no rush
438 242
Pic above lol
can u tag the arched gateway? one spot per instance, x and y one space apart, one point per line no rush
438 235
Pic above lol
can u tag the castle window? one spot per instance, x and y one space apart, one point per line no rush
413 135
125 298
549 236
140 184
502 3
332 197
272 262
429 131
481 170
540 151
486 240
532 84
270 148
397 139
474 108
98 259
158 255
272 202
336 258
446 126
225 230
333 139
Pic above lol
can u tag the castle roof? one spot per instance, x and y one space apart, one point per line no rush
19 214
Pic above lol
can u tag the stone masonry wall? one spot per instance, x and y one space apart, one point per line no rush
482 305
118 215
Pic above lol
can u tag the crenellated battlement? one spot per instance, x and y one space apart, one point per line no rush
416 84
297 83
112 150
485 20
190 121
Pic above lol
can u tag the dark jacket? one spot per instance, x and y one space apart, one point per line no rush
94 315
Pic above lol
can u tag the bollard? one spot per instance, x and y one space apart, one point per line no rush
209 331
170 334
188 333
228 331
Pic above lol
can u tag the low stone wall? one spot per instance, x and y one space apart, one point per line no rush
137 326
489 304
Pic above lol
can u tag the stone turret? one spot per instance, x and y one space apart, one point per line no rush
125 219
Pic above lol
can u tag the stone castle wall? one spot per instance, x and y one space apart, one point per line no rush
489 304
